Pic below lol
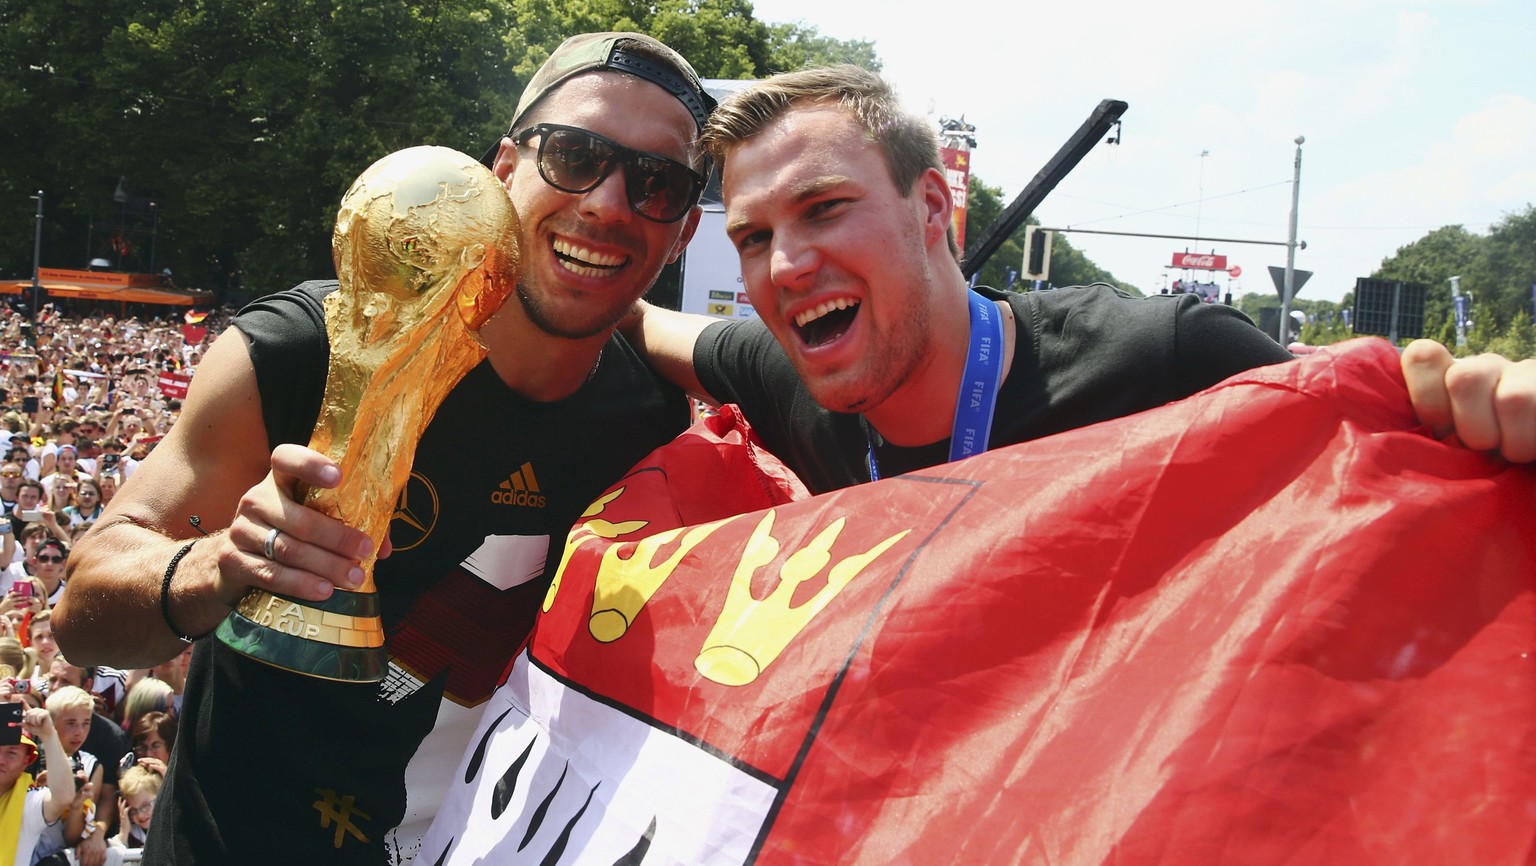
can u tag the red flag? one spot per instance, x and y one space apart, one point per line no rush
58 387
174 385
1274 623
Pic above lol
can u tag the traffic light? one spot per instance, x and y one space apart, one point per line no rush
1037 253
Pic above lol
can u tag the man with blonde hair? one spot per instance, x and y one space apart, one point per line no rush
85 828
839 210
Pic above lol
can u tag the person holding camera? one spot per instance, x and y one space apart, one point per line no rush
114 458
19 598
25 812
31 508
129 425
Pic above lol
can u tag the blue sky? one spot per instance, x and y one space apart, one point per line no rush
1416 113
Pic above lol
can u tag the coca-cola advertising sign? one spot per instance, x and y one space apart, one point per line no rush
1200 261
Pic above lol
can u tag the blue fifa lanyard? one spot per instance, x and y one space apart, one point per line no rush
977 400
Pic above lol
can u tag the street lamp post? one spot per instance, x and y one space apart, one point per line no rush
1460 304
1290 250
154 231
37 288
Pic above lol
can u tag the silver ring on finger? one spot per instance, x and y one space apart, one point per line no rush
268 548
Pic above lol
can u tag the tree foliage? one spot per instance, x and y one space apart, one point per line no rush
1497 271
244 121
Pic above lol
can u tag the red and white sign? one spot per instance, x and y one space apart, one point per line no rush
1200 261
173 386
957 169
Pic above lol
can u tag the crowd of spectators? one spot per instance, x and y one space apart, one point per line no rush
84 396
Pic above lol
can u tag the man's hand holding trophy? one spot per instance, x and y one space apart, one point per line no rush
426 251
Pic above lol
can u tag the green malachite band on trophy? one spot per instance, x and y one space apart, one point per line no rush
342 602
312 657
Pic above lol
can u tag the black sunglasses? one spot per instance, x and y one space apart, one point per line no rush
42 558
575 160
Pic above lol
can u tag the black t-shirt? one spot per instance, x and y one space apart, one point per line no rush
496 482
1083 355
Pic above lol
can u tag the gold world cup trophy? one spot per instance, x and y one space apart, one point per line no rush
426 251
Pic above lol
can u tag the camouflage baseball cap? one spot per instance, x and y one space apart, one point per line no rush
632 53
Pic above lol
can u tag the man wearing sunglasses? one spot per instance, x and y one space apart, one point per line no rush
48 566
600 164
11 475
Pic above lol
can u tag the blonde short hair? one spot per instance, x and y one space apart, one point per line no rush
70 698
139 779
909 145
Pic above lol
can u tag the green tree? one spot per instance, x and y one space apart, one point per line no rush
1517 341
796 46
1432 260
244 121
1496 270
1500 279
1324 319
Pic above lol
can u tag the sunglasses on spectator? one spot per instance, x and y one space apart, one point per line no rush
49 558
10 473
575 160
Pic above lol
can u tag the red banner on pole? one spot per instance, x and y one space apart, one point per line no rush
957 169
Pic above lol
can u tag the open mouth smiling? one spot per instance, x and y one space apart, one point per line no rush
586 262
826 321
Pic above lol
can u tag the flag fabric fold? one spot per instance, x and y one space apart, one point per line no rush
1274 623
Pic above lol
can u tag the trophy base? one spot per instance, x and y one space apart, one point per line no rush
341 638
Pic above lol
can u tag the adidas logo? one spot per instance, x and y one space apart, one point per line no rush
521 488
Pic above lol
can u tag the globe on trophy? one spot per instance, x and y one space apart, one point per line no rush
426 251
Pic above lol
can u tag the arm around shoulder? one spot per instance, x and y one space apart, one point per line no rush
665 339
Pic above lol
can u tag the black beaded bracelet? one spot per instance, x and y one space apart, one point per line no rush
165 592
